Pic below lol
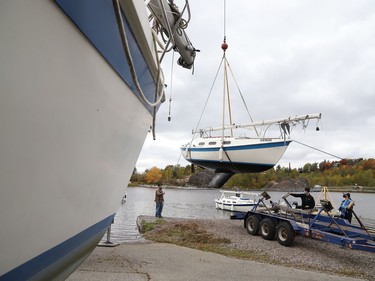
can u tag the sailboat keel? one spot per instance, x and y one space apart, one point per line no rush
220 179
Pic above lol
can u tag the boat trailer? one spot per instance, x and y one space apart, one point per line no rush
285 222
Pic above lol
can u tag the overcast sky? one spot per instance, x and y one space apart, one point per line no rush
289 58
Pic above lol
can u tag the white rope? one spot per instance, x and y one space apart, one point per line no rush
126 49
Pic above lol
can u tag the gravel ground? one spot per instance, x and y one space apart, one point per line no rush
305 253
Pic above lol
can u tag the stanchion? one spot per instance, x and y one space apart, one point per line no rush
108 243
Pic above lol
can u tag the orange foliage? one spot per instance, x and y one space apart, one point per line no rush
154 175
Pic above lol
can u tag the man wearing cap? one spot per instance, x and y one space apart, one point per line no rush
308 201
346 207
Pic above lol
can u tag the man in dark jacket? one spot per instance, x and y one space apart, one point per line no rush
159 200
308 201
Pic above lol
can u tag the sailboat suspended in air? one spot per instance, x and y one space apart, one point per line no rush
228 154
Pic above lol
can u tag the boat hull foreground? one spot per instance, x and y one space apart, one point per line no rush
72 129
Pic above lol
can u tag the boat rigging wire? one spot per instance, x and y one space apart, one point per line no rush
224 47
225 19
171 88
317 149
208 97
243 100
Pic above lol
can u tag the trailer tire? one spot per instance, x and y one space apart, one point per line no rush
285 234
268 228
252 225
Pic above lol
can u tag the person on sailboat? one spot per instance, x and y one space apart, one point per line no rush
346 207
308 201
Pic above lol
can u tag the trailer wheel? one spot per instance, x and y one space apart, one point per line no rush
252 225
285 234
268 228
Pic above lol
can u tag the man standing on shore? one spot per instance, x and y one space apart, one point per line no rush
159 200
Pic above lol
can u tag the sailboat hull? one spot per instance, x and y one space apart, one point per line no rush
72 128
240 156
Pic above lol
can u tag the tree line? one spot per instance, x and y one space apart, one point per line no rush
346 172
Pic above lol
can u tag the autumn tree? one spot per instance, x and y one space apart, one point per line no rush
154 175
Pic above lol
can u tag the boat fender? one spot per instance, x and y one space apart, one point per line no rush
221 154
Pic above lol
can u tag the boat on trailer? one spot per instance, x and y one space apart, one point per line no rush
80 84
236 201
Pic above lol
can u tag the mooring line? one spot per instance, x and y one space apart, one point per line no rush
318 149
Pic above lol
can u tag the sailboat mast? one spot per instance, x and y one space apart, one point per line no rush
228 96
224 90
224 47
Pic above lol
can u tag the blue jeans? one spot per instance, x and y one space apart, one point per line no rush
159 209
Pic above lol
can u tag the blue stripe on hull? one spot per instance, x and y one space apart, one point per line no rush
58 261
97 21
236 205
238 147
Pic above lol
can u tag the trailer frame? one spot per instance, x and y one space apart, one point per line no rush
285 222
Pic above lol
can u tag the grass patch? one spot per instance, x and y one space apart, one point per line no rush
149 226
190 235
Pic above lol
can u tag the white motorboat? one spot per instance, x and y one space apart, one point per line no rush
236 201
80 82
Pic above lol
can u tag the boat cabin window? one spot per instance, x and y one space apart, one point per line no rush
227 142
201 143
212 142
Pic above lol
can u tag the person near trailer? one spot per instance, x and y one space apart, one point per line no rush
346 207
308 201
159 200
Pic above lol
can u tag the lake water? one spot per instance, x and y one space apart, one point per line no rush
199 203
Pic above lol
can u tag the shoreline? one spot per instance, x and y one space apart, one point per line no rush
330 189
305 254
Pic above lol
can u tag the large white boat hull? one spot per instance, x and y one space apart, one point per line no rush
235 155
71 132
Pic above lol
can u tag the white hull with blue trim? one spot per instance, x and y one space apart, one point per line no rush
229 155
236 201
236 155
72 123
